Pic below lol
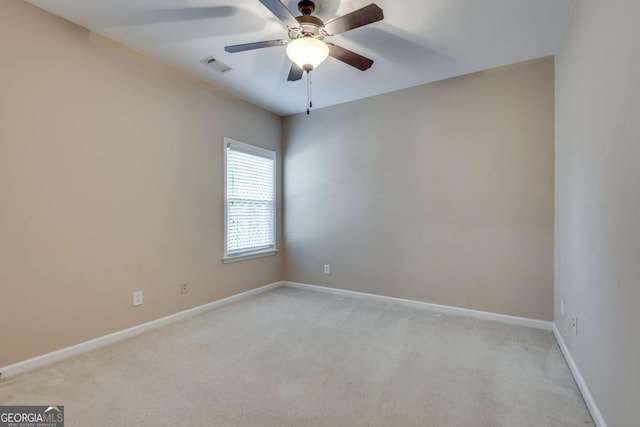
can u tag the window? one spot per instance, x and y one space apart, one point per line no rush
250 201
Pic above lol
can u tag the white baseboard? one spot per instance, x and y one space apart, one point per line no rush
582 385
444 309
36 362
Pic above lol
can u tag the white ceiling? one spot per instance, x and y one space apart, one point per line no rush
419 41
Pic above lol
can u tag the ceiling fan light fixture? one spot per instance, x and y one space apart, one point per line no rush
307 52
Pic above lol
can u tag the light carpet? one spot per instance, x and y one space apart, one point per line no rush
300 358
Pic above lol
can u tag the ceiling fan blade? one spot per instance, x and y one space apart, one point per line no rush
351 58
295 73
252 46
365 16
281 12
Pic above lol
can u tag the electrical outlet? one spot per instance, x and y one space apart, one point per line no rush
574 324
562 306
183 288
327 269
137 298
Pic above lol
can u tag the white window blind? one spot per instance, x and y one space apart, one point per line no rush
250 195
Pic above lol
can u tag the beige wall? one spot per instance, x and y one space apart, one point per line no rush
598 202
111 181
440 193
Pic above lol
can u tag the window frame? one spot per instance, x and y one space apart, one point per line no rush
261 152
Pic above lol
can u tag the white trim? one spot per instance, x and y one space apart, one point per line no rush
582 385
250 255
36 362
445 309
249 148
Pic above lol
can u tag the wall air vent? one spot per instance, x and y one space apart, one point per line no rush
215 64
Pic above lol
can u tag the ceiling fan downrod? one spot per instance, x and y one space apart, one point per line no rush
306 7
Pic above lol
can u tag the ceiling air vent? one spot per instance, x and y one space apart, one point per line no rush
215 64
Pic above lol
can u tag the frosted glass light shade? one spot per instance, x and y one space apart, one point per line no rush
307 51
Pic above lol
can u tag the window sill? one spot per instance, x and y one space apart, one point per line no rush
251 255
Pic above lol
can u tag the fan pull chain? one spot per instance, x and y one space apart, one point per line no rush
309 93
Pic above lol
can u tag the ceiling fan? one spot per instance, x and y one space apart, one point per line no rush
306 47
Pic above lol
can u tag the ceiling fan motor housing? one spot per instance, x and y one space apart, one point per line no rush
310 26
